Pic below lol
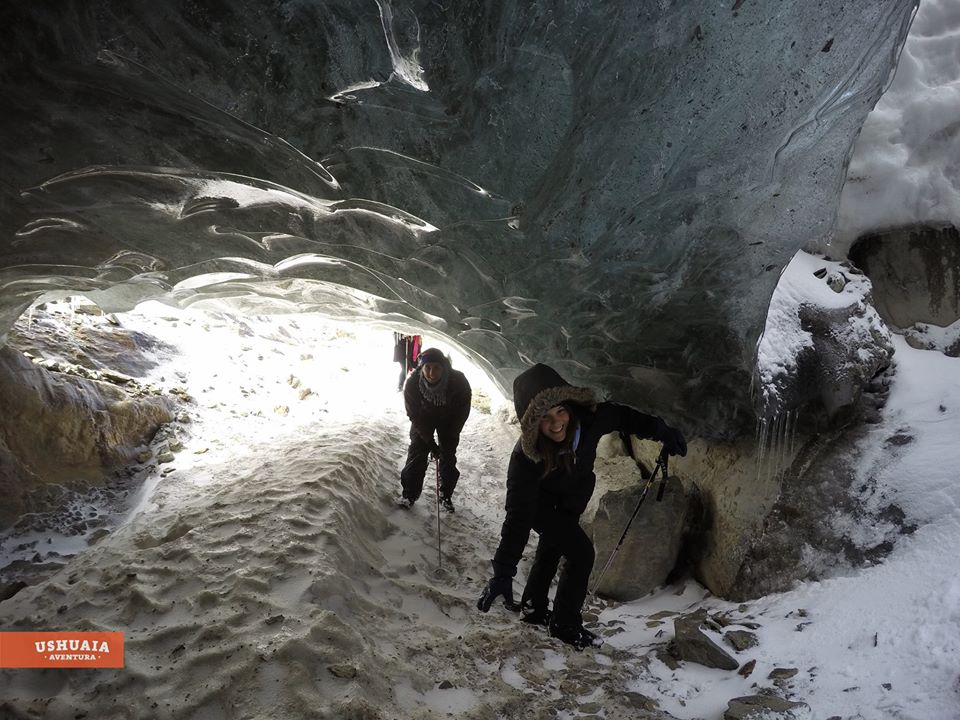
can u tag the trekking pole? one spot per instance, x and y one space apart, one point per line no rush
663 477
439 556
661 465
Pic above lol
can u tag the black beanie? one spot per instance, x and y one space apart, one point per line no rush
432 355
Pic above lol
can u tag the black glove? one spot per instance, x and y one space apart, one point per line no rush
433 450
673 441
495 588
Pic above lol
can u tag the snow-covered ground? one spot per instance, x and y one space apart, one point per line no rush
268 556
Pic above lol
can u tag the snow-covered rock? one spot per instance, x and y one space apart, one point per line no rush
823 341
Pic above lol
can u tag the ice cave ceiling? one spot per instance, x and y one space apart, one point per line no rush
611 187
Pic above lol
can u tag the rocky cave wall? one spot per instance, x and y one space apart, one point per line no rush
61 431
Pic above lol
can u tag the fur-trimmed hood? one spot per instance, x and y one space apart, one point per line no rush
535 391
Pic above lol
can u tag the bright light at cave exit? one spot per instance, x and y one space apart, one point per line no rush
288 368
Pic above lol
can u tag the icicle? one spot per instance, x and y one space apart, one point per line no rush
762 439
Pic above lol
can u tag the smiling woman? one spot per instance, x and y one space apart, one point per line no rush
550 481
554 423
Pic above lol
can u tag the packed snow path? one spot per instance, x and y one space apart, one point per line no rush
268 569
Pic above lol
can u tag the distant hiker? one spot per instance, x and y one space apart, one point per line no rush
437 399
406 351
549 482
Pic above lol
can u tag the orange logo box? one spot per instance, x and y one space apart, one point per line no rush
61 649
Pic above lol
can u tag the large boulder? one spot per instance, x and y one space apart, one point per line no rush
651 546
731 490
915 273
63 429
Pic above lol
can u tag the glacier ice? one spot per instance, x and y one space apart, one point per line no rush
610 188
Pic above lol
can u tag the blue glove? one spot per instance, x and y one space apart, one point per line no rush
496 587
673 441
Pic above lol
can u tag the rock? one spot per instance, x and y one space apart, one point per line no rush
821 492
174 444
144 456
850 346
343 670
740 640
915 273
60 429
747 668
693 645
97 535
641 702
667 657
166 457
87 309
782 673
282 410
8 590
926 336
765 707
837 281
650 549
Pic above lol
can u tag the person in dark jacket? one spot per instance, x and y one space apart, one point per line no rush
437 399
406 351
549 482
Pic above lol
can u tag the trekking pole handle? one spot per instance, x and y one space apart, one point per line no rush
662 461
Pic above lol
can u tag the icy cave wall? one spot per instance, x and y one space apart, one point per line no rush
612 188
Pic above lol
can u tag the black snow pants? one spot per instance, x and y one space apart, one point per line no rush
561 537
418 457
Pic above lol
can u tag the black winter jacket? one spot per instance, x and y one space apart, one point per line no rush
531 496
427 417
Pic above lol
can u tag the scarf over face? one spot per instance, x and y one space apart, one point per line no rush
435 394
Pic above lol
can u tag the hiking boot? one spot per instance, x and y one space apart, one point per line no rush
574 634
447 504
535 615
405 502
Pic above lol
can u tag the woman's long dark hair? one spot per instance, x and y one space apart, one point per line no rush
559 454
